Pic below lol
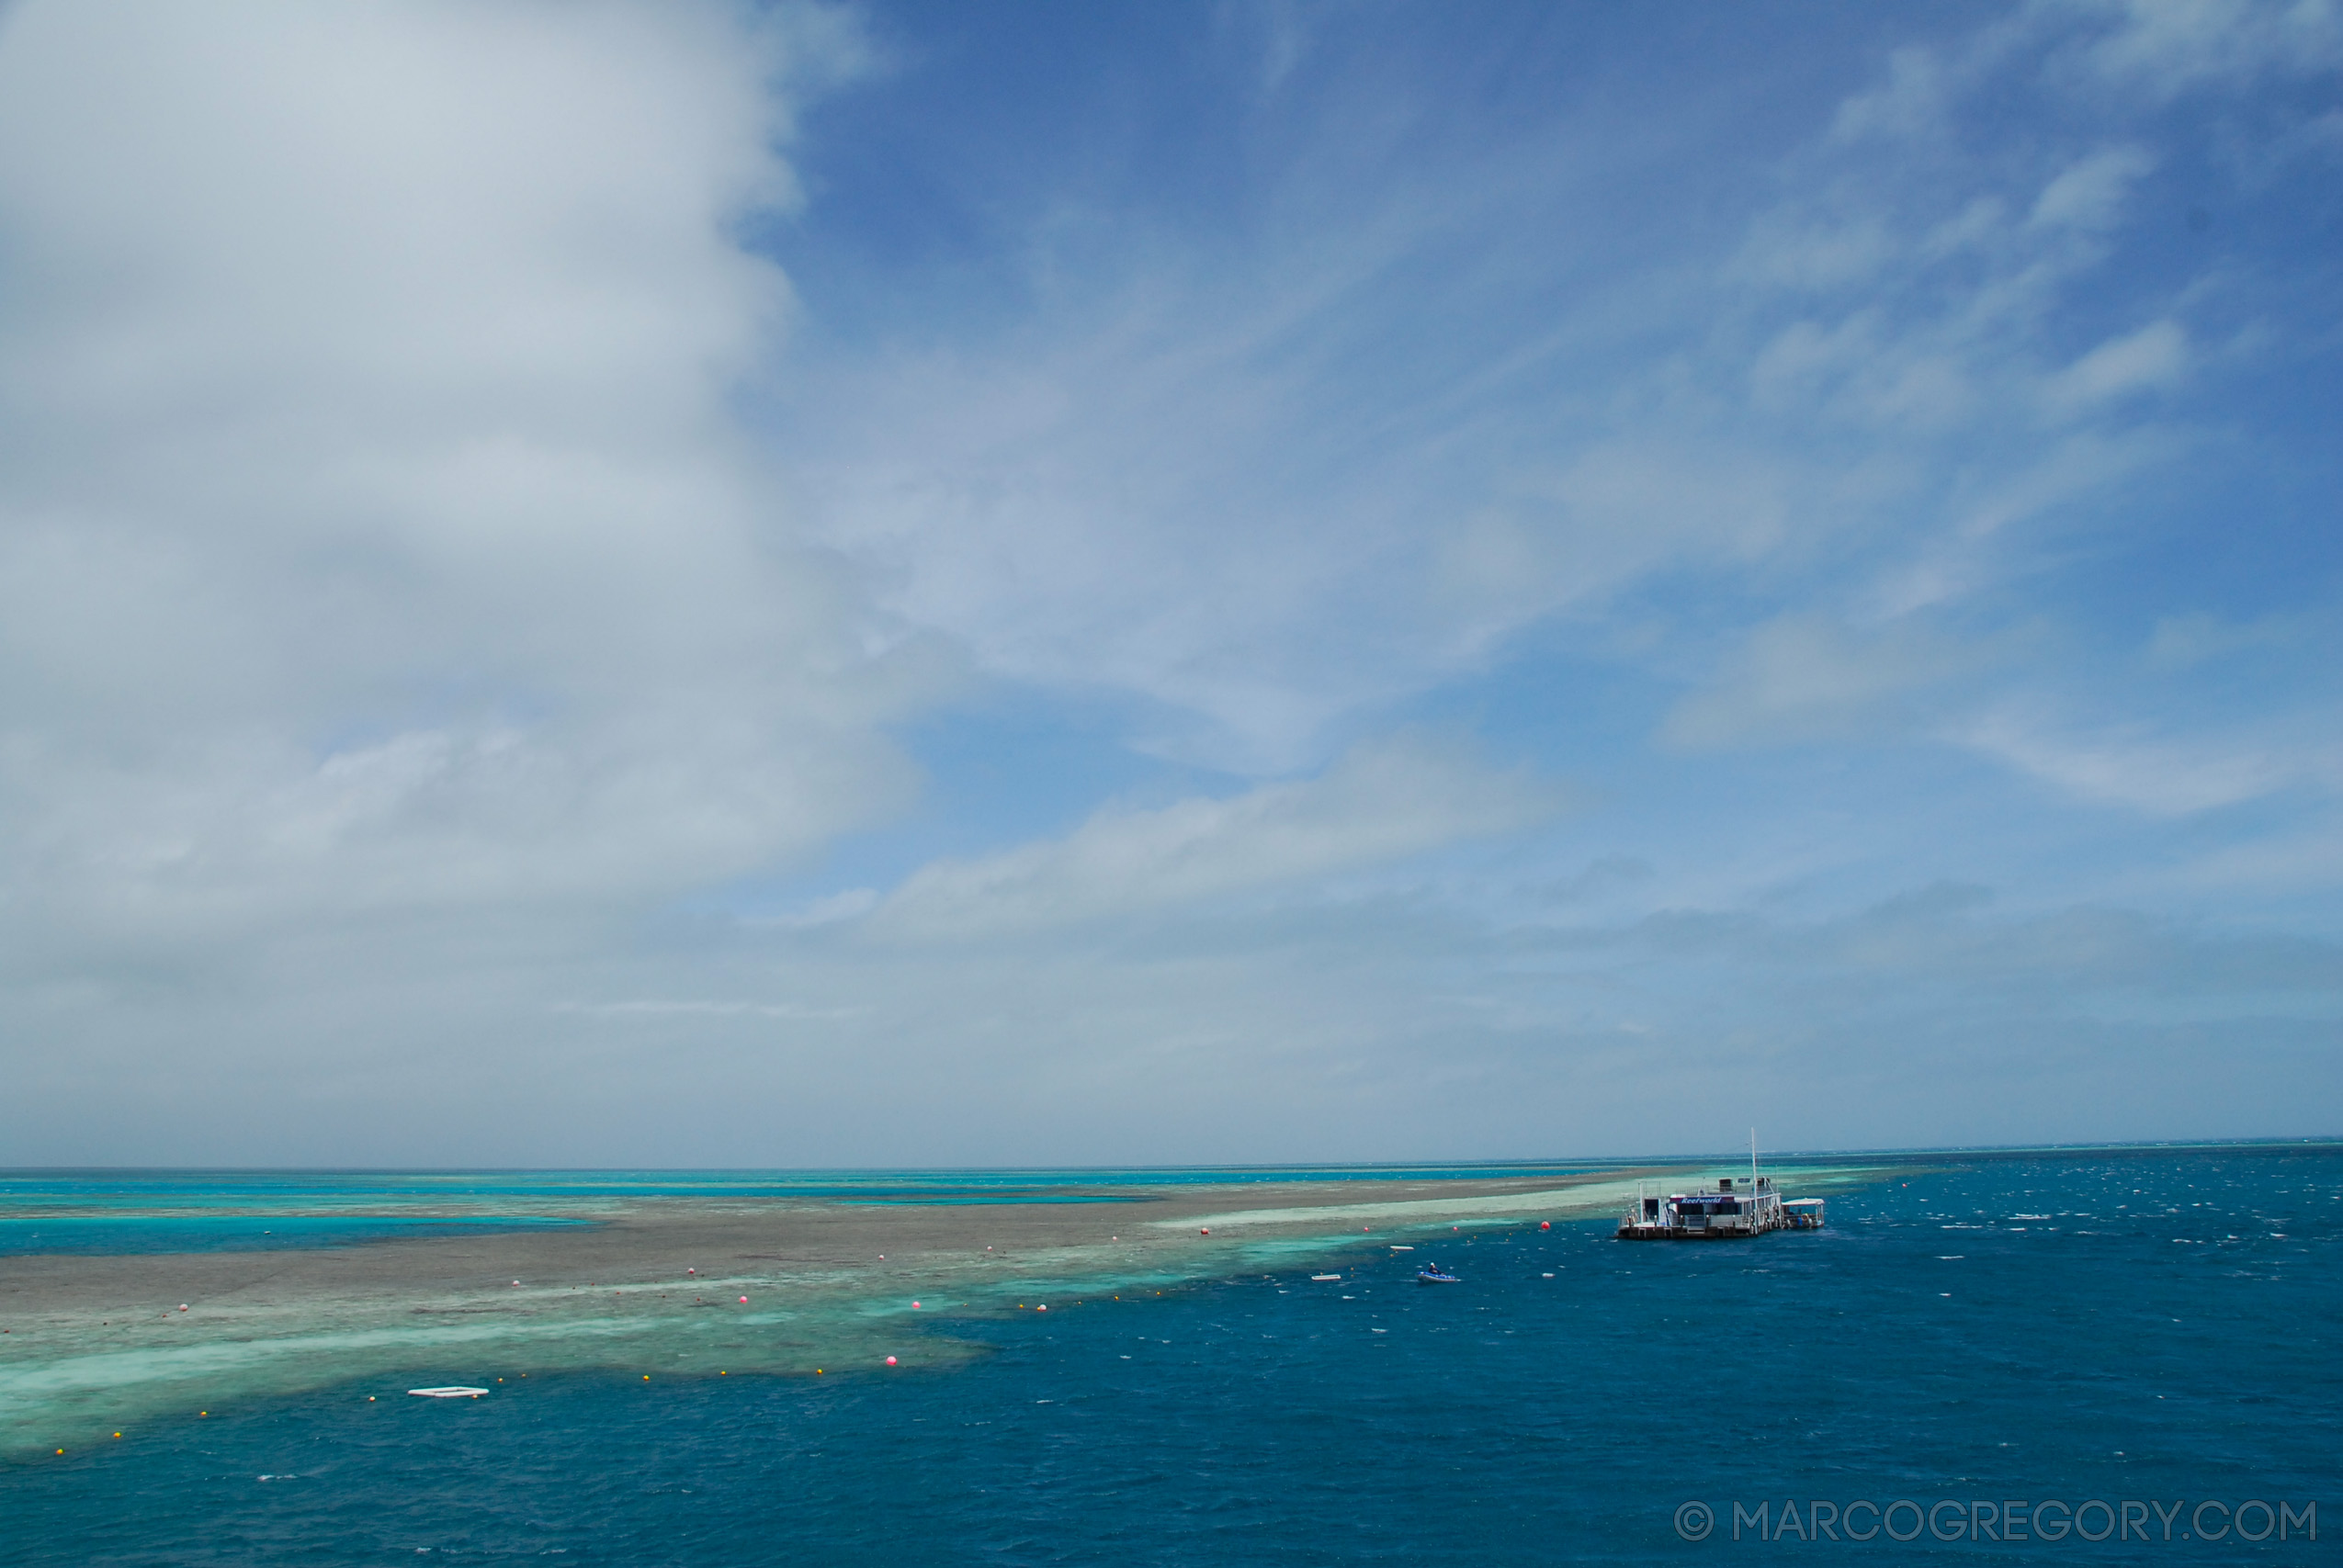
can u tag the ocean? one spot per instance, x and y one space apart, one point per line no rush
1980 1350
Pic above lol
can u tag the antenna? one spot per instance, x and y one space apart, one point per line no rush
1753 1158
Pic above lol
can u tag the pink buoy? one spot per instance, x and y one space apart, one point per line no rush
744 1301
915 1306
891 1361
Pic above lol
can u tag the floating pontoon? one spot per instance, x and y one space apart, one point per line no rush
1716 1212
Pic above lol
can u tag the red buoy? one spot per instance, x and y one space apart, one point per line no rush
891 1361
1545 1225
1201 1230
744 1301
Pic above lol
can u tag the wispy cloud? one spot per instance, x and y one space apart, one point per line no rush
1805 679
2139 769
2154 356
1377 805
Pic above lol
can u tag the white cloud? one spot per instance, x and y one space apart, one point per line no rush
1804 678
2082 468
1793 253
2160 776
2183 642
1377 805
375 528
1911 100
2089 193
2154 356
1572 536
2172 46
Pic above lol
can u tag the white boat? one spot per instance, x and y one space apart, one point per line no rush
453 1391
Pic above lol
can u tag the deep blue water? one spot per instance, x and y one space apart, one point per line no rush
2167 1333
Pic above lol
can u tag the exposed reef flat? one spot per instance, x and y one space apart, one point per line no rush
655 1287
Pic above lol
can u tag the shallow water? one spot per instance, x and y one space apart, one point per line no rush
2140 1325
116 1235
313 1192
93 1352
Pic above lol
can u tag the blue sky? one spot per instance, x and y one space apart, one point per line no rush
916 585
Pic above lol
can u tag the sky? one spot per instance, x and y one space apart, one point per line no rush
911 584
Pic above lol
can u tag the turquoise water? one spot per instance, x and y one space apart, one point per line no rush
2151 1327
114 1236
114 1212
296 1190
123 1211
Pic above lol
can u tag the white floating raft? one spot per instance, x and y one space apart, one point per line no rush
1326 1276
453 1391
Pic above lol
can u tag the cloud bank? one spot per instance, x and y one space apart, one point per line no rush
697 583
